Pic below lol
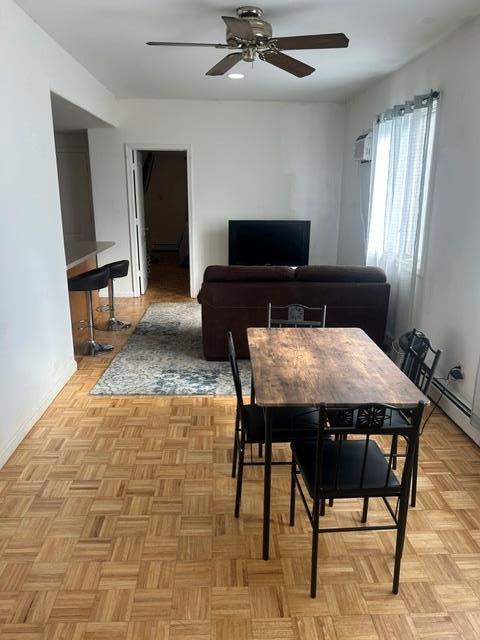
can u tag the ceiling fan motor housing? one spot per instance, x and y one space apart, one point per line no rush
260 29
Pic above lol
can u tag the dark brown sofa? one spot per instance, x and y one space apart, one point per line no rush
234 298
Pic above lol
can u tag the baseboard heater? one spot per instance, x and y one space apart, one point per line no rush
454 399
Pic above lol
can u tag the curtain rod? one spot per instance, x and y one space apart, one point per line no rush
400 109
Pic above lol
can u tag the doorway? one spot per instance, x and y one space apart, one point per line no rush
160 219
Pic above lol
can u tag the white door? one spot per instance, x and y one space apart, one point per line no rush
140 235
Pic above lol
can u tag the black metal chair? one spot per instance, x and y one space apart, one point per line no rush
354 468
296 315
288 425
418 364
420 360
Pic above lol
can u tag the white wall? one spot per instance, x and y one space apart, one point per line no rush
448 306
249 160
36 356
75 186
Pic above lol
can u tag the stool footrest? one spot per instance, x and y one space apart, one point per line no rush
95 348
117 325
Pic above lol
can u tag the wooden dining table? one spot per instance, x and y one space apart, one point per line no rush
339 367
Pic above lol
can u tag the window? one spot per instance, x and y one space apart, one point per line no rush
401 168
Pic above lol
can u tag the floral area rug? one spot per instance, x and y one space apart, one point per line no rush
163 356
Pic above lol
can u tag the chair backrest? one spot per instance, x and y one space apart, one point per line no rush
296 315
420 360
232 357
365 420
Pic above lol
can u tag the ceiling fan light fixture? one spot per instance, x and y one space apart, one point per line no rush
236 76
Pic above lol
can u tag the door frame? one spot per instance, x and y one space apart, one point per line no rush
129 147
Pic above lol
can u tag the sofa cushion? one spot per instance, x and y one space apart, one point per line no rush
334 273
217 273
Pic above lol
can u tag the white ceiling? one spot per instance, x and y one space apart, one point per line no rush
108 36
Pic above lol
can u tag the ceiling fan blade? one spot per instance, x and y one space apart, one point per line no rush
293 66
321 41
225 64
239 28
186 44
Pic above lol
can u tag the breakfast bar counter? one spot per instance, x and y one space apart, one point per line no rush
77 251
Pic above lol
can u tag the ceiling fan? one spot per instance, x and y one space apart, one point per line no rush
251 37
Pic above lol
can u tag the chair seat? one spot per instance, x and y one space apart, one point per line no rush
118 269
90 280
287 424
352 458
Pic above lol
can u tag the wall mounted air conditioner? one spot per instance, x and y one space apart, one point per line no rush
363 147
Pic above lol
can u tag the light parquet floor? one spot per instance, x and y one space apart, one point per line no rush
116 522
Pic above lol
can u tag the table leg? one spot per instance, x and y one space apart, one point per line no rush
252 401
267 481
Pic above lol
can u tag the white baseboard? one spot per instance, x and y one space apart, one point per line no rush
459 418
46 401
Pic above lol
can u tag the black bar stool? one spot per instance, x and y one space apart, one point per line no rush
88 282
118 269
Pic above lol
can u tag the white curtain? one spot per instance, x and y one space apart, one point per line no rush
403 142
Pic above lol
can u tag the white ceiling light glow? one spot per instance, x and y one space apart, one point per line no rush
236 76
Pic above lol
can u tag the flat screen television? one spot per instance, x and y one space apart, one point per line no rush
268 242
